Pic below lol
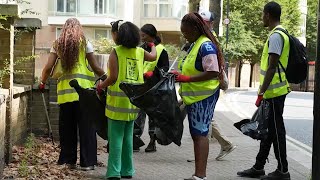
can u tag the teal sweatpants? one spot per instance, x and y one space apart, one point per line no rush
120 136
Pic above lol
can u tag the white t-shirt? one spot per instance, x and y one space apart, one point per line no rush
89 48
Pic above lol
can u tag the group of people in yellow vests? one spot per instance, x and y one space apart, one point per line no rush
198 74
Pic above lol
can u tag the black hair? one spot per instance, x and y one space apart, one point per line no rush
127 34
274 10
195 20
151 31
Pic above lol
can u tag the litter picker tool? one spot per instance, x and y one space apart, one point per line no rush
48 119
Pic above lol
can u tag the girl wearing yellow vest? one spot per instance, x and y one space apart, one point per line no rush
199 85
148 33
125 65
74 53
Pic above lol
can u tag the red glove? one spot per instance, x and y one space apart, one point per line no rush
148 74
180 77
150 44
99 90
42 87
259 99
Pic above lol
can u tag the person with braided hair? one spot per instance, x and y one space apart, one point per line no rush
199 85
75 53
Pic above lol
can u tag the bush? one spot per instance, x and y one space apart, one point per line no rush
103 45
173 51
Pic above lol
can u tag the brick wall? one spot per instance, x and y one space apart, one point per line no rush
39 122
5 45
24 47
20 116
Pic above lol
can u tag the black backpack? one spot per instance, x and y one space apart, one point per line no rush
297 69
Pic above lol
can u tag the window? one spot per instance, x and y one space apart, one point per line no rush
66 6
104 6
182 11
58 32
102 33
157 8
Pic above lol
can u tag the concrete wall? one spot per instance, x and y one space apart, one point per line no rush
3 97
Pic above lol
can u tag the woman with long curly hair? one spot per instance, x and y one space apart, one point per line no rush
75 53
199 85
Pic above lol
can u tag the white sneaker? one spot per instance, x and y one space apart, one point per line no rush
196 178
223 152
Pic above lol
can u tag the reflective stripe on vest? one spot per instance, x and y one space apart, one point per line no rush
195 91
130 64
199 93
279 85
81 73
262 72
74 76
149 66
122 110
115 93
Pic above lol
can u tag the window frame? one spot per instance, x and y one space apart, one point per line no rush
157 3
65 3
105 11
102 29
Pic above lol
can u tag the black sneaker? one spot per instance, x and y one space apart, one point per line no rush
136 148
277 175
126 177
151 147
252 173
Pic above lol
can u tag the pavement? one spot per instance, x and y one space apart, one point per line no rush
170 162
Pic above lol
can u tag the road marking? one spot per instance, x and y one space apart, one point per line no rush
305 150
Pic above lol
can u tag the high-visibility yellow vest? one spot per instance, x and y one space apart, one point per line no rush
81 73
276 87
130 65
192 92
149 66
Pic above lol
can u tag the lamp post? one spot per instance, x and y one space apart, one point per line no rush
227 22
316 112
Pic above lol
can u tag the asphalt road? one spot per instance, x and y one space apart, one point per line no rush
298 112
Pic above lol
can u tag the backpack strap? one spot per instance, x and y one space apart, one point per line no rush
286 32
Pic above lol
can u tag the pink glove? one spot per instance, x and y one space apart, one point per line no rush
259 99
148 74
180 77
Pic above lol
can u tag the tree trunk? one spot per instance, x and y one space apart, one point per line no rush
251 74
215 7
194 5
238 74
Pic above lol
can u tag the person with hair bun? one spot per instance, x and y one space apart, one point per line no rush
148 34
199 85
125 65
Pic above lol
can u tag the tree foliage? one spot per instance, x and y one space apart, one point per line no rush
241 43
311 33
251 14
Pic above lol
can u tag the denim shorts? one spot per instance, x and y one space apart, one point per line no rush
200 115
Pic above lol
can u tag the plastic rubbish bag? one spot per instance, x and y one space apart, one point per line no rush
257 126
92 108
160 102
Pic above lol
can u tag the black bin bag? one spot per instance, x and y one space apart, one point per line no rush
92 108
257 126
159 101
